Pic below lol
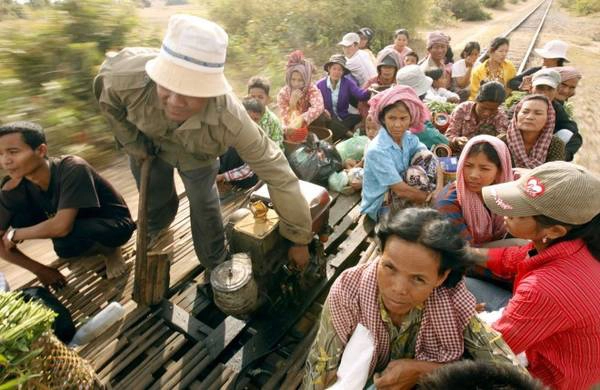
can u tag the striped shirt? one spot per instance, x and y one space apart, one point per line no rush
554 315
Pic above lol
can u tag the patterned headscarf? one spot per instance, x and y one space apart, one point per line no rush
483 226
537 155
418 111
567 73
354 299
436 37
297 63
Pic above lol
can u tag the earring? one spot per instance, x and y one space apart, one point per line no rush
545 240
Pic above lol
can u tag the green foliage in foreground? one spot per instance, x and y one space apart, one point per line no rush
21 323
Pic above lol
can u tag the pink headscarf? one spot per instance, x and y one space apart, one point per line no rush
483 226
567 73
297 63
418 111
436 37
537 155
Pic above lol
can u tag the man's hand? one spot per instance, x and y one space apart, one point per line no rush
402 374
526 83
8 243
299 255
51 277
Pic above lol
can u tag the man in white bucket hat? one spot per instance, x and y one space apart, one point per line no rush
177 105
553 54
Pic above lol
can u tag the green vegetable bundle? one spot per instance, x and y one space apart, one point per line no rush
440 107
21 324
514 98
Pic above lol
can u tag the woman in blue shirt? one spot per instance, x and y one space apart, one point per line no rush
399 170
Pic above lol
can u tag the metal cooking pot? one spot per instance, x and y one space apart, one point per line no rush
235 290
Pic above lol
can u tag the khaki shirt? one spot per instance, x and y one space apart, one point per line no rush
129 101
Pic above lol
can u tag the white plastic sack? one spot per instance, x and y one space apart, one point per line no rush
353 372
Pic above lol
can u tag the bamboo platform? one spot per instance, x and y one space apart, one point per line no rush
187 342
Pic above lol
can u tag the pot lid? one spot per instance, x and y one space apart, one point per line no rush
232 274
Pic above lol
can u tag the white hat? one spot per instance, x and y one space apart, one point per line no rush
554 49
191 61
349 39
546 76
414 77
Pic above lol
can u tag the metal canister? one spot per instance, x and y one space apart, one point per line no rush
235 290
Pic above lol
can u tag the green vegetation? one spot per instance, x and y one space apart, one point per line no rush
493 3
582 7
49 59
21 324
462 9
261 34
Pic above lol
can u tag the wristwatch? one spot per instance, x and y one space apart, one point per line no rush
11 234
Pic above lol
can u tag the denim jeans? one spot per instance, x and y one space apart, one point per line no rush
205 211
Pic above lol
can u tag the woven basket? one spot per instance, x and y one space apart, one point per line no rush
60 367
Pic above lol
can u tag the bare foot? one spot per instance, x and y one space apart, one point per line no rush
115 265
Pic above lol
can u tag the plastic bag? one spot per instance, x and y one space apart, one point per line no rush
353 148
337 181
315 161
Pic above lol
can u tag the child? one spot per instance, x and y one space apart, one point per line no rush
259 88
438 91
299 101
233 171
411 58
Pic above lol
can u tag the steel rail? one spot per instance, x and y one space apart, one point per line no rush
510 31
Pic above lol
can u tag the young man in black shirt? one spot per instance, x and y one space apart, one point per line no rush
60 198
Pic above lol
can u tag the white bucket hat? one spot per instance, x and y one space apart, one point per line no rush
191 61
554 49
414 77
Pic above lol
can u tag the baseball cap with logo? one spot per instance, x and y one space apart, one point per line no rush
546 76
560 190
191 61
349 39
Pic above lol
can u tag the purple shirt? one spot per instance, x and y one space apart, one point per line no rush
347 88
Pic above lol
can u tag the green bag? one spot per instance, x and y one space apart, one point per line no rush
353 148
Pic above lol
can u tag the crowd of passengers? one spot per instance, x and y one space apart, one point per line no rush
500 266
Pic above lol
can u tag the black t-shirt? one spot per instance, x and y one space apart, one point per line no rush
74 184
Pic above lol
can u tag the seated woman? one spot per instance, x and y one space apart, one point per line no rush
413 302
530 136
438 44
495 68
482 116
397 164
337 90
485 160
438 91
553 315
300 102
387 67
554 54
461 69
399 48
569 78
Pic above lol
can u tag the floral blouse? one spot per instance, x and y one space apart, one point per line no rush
313 109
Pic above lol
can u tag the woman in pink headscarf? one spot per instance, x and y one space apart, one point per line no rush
485 160
530 135
299 101
399 170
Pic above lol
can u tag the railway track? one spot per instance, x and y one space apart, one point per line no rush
524 36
